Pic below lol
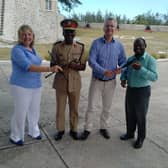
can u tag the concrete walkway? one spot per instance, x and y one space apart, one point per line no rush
95 152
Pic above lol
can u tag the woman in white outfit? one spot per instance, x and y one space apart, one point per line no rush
25 82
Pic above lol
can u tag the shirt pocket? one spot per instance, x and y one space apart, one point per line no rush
76 56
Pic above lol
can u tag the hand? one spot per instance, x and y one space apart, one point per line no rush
136 65
109 73
123 83
56 68
77 67
118 71
73 65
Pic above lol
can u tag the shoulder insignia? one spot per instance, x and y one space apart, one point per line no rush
80 43
57 42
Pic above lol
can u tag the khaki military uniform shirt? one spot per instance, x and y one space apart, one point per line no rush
63 54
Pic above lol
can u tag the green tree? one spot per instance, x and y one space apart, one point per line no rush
88 17
68 5
165 16
148 18
75 17
99 17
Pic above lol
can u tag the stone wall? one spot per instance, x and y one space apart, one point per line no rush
45 23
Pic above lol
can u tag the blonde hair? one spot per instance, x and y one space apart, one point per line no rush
22 29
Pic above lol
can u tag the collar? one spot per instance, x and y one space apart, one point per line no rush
74 44
104 40
142 57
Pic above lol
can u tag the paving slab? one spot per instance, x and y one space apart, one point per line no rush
35 155
98 152
95 152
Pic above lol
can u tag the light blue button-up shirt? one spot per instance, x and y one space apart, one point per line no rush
105 56
21 59
142 77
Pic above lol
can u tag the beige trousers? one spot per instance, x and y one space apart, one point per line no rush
99 91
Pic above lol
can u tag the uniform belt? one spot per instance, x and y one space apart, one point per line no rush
103 80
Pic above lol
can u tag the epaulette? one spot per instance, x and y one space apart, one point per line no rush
57 42
80 43
83 46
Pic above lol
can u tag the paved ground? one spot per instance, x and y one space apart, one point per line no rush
95 152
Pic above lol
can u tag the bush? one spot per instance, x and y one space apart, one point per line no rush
159 55
47 57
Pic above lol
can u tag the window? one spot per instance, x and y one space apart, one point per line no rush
48 4
2 6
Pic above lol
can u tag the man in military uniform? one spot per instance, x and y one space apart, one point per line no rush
69 54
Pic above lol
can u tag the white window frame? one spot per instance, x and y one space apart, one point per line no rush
48 5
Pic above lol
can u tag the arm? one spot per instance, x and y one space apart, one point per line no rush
54 60
122 57
20 58
35 68
121 62
123 78
93 54
149 72
79 64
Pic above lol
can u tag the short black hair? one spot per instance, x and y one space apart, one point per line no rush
141 39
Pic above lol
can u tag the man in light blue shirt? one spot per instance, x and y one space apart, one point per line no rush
138 76
105 57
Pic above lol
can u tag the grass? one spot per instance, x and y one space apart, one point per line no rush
156 42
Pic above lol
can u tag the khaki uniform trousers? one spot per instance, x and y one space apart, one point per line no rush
73 101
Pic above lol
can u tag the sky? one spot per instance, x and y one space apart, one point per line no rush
129 8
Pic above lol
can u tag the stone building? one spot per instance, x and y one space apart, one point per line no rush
41 15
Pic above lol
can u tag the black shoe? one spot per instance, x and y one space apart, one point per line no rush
18 143
126 137
105 133
39 137
58 135
84 135
138 144
74 135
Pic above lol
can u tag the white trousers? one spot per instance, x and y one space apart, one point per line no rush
105 91
26 104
